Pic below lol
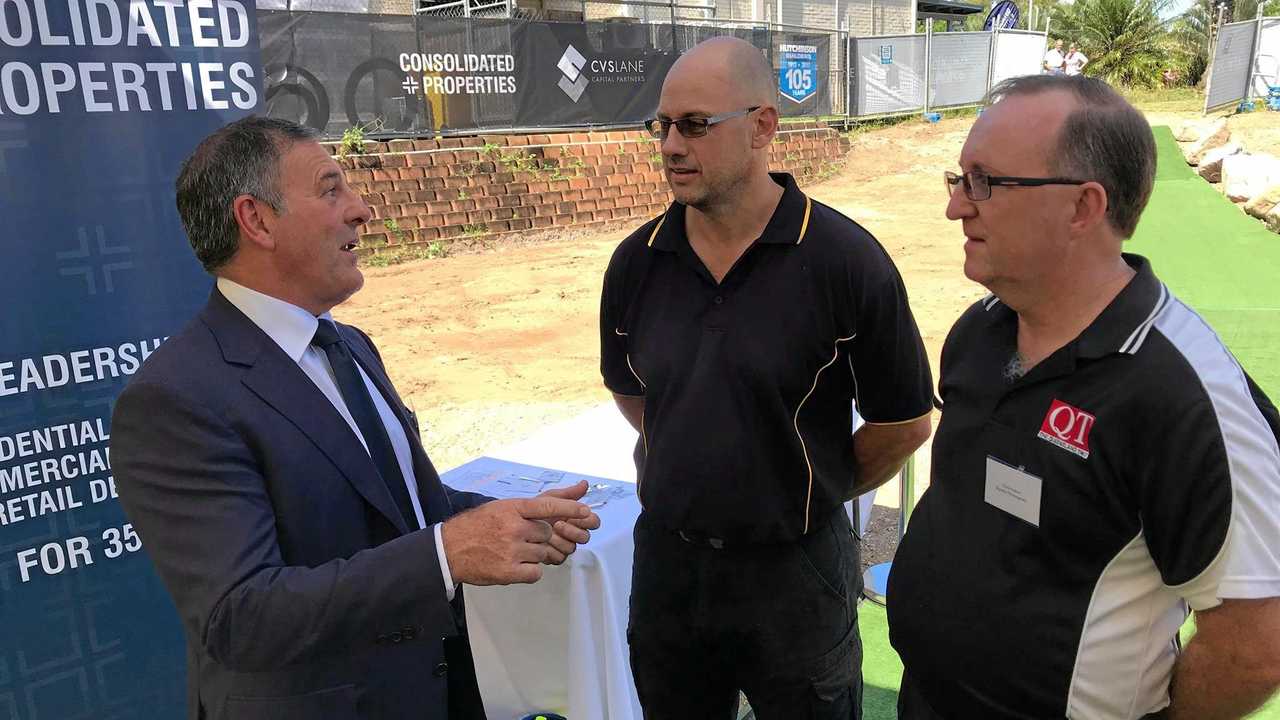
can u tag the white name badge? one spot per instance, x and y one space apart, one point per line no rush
1013 491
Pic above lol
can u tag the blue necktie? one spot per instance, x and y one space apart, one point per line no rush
359 403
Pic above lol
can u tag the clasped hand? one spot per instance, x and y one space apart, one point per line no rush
508 541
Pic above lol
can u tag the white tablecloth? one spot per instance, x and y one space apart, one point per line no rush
560 645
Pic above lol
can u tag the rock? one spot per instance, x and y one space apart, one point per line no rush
1210 167
1273 219
1247 176
1215 136
1189 131
1264 202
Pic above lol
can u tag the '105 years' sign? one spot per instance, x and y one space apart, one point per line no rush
100 101
798 72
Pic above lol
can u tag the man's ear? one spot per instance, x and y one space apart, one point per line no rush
765 127
1090 209
256 220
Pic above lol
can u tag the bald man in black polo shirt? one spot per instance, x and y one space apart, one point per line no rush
737 330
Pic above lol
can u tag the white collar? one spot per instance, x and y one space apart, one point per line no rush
291 327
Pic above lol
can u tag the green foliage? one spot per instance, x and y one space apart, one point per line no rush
394 229
352 142
1189 41
353 138
1125 40
475 230
1248 9
395 256
827 169
1176 99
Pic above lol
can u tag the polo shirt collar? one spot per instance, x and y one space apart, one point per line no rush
1123 325
787 226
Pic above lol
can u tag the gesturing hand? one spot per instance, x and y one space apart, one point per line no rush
567 534
504 541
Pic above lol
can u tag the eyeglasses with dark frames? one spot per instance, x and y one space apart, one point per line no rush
977 184
691 127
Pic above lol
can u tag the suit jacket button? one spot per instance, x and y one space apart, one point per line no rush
396 637
409 632
441 669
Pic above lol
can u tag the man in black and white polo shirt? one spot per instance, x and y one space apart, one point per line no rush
737 329
1103 463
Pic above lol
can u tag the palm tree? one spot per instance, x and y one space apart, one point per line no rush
1124 39
1248 9
1189 35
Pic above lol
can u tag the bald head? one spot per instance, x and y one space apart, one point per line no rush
728 69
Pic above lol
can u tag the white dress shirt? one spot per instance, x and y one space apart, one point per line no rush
293 328
1053 60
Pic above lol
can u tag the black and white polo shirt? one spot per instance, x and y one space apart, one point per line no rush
1155 459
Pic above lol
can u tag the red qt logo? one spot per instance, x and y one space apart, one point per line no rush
1067 427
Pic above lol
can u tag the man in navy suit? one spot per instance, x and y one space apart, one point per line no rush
278 480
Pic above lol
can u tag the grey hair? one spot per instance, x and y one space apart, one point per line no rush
1104 139
240 158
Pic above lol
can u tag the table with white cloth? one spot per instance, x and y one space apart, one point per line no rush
560 645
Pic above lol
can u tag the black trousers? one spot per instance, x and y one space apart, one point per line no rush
778 622
911 704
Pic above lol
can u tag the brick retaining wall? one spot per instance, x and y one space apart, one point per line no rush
438 190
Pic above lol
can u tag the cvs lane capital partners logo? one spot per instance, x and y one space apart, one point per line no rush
572 81
1067 427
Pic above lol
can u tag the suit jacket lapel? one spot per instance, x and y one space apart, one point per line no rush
435 504
277 379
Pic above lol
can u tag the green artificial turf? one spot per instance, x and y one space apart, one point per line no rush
1216 259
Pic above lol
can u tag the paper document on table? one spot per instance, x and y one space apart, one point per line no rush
500 479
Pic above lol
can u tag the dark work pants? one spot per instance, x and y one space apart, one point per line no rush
911 704
778 622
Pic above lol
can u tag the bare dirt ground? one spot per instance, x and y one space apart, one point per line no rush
490 347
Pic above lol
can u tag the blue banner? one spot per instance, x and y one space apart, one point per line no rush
798 71
101 101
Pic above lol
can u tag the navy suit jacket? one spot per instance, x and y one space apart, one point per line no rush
301 591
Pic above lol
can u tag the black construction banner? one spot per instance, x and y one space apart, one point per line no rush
573 76
333 71
397 74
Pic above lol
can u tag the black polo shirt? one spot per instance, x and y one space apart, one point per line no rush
749 384
1159 481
